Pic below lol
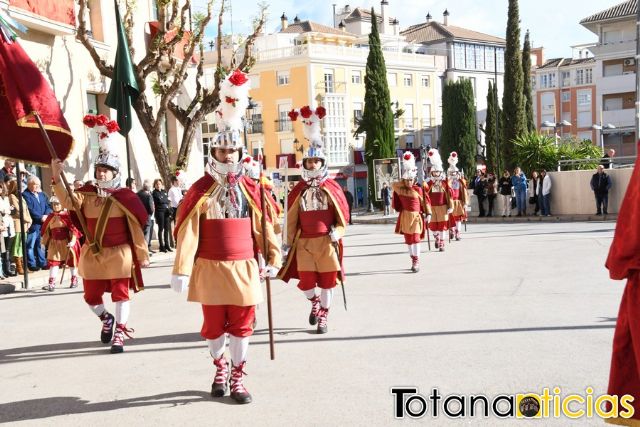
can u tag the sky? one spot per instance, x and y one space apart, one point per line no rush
552 23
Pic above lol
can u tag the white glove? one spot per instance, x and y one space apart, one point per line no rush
269 271
179 282
333 234
450 210
428 218
71 244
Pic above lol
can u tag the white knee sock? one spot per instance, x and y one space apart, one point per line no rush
415 249
310 293
325 298
216 346
53 271
458 223
97 309
410 249
238 347
74 271
122 311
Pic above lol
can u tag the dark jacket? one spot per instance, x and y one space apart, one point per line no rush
386 195
146 200
160 200
38 205
504 185
349 197
600 183
479 186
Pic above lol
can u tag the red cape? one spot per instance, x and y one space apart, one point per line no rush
624 253
290 270
66 218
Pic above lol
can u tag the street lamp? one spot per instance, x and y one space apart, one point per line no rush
601 128
555 126
248 121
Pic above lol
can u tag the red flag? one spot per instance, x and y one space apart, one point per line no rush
24 90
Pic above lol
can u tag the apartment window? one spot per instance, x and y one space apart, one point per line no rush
427 138
426 115
286 146
588 76
544 81
356 77
566 78
357 112
500 59
470 57
408 80
479 57
552 79
392 79
284 123
612 70
409 140
329 85
566 96
584 119
458 54
283 78
547 101
425 81
584 98
408 116
489 58
579 77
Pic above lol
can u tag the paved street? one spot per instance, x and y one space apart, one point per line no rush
510 308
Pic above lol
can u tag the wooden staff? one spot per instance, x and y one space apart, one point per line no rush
263 202
76 207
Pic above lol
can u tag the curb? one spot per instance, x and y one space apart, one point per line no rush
500 220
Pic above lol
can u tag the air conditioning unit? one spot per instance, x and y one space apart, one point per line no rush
629 62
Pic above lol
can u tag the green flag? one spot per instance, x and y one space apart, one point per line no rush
124 87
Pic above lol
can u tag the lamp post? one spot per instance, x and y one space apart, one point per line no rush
248 121
555 126
601 128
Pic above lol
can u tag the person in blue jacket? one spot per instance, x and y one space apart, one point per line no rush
38 205
520 185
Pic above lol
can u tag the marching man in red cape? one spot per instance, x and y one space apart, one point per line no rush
412 204
459 197
317 215
437 189
62 240
114 216
218 231
623 262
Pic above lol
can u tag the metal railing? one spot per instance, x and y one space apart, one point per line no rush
254 126
284 125
614 163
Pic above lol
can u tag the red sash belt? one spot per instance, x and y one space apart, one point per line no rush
116 231
316 223
438 199
455 194
410 203
59 233
229 239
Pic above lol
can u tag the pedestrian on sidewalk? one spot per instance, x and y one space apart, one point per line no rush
413 207
479 186
116 216
218 235
600 185
175 197
492 192
349 197
62 240
17 249
385 195
544 193
147 201
534 192
317 217
504 186
162 214
38 205
437 190
520 184
459 198
7 230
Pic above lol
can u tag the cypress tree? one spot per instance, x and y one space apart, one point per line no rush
459 124
512 98
377 117
526 84
490 130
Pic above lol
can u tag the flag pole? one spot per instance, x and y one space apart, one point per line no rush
23 235
126 138
76 207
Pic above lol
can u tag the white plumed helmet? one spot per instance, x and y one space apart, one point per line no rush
409 169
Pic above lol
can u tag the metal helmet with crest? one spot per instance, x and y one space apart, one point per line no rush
234 99
436 160
108 152
310 119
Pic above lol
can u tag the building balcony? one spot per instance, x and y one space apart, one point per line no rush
620 118
617 84
254 126
428 123
614 50
284 126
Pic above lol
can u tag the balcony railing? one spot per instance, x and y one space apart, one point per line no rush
254 126
284 126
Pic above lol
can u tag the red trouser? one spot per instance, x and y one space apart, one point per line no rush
94 289
410 239
61 263
232 319
625 361
309 280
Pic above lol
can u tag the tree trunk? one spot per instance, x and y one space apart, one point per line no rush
160 154
187 140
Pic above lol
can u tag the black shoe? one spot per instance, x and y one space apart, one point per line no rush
598 213
33 269
606 213
168 249
108 322
504 216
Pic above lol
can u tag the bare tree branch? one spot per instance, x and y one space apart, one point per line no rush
83 37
